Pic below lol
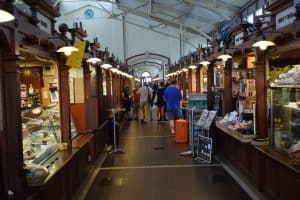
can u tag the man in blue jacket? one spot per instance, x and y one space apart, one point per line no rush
173 97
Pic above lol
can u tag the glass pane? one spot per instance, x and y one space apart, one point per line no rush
41 127
285 118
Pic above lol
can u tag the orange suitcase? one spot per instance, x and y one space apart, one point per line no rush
181 131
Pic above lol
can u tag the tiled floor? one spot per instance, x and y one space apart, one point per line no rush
151 168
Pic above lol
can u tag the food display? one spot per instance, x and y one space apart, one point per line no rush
234 122
41 132
285 118
291 77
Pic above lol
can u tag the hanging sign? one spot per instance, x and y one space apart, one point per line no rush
75 59
285 17
239 38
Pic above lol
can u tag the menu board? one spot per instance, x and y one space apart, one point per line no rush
204 148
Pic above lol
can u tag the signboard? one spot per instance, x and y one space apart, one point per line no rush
204 148
239 38
197 100
75 59
45 23
285 17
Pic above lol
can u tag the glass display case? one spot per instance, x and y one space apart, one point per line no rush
285 117
41 129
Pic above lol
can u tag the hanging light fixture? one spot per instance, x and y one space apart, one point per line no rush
224 57
204 62
192 67
93 60
67 50
5 16
263 44
114 70
106 66
185 69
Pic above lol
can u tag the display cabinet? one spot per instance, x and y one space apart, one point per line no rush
285 118
41 129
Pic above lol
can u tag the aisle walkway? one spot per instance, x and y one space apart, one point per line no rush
151 168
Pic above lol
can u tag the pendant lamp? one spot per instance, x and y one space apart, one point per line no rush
5 16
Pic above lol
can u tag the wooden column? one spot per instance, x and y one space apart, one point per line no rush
227 87
100 97
198 80
210 85
90 91
261 92
11 141
190 81
183 80
64 100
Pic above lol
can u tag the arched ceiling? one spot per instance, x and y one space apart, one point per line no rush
198 17
148 61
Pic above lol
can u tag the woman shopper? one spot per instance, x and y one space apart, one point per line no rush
126 101
161 102
135 103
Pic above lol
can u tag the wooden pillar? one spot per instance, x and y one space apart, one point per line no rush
108 89
198 80
64 100
261 91
227 87
90 91
101 113
183 80
11 139
190 81
210 85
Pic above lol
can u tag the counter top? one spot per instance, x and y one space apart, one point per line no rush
235 134
81 140
279 157
54 164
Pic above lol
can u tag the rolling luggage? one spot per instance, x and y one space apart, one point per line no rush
181 131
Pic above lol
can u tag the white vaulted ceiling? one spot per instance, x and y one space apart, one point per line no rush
198 17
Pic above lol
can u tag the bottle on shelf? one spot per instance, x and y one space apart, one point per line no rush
30 89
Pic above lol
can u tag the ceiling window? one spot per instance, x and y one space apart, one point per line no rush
259 12
250 18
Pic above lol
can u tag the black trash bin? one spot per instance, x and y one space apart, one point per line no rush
111 132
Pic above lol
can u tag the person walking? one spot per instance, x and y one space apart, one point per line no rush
135 103
173 97
145 100
153 101
161 102
126 101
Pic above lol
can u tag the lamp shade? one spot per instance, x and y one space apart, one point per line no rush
67 50
263 44
193 67
115 70
185 69
106 66
5 16
224 57
93 60
204 62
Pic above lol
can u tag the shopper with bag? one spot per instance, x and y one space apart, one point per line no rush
145 101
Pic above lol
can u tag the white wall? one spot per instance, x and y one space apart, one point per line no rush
110 31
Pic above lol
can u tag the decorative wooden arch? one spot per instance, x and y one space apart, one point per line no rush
149 58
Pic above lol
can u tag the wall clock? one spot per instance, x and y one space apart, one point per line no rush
88 14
